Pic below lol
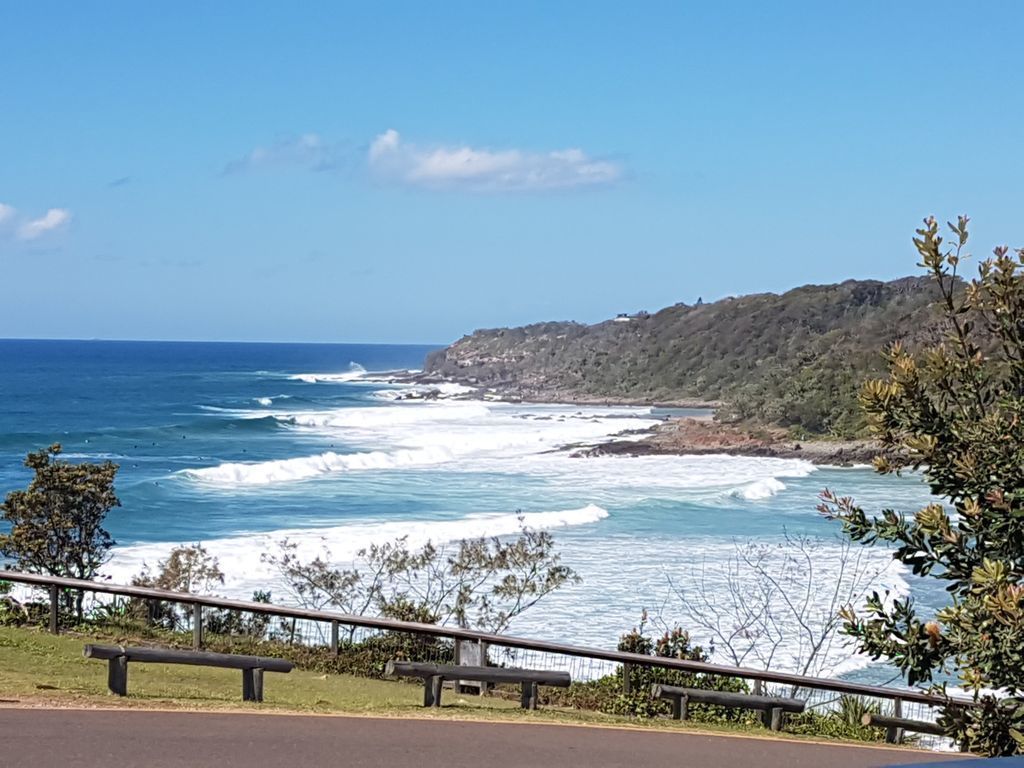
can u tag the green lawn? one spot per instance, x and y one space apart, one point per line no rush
39 666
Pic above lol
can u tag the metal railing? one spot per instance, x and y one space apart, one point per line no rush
583 662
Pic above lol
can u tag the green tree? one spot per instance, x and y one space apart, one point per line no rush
56 524
186 569
952 411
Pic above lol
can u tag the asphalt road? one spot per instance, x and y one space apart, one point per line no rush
62 738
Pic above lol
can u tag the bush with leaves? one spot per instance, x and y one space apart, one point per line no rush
482 583
608 694
12 611
239 623
186 569
56 524
954 412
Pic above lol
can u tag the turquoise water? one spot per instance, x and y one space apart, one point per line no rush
239 445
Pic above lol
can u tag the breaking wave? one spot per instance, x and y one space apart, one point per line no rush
759 490
233 474
239 556
355 371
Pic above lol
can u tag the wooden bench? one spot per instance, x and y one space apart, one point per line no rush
895 726
772 707
434 675
118 656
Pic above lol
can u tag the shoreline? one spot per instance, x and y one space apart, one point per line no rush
552 397
702 437
680 436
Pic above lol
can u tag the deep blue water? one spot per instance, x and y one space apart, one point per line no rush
145 405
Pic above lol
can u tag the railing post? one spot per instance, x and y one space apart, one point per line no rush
627 682
482 652
757 687
897 710
334 638
54 610
197 626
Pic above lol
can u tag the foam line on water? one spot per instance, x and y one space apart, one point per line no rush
239 556
233 474
355 371
421 434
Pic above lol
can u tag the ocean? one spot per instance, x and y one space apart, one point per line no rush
239 446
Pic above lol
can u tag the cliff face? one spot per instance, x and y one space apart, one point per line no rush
795 359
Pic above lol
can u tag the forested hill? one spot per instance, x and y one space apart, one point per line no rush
795 359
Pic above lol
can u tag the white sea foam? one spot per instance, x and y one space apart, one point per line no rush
239 556
267 401
617 586
513 441
440 391
383 418
234 474
355 371
759 489
472 436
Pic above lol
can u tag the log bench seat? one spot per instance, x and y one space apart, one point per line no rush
895 726
118 657
773 708
434 675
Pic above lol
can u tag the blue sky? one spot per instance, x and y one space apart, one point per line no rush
407 172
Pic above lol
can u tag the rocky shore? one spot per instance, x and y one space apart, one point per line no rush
687 436
704 436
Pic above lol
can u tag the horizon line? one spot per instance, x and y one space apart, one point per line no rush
226 341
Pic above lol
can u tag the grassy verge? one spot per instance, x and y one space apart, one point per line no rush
39 669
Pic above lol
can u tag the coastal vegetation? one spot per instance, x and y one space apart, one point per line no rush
794 360
56 524
479 583
953 412
771 606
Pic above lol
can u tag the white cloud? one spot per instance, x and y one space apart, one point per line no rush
308 151
6 213
51 220
474 169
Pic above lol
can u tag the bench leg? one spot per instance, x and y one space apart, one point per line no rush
432 691
117 675
530 694
252 684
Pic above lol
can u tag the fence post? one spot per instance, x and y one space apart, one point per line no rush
482 650
334 637
757 687
197 626
627 674
54 610
897 710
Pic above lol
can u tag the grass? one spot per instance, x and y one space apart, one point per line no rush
39 669
37 665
